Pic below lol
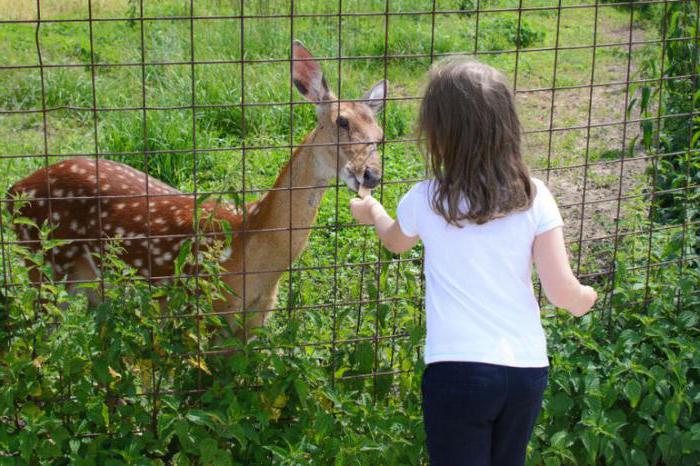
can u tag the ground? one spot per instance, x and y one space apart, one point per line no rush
219 128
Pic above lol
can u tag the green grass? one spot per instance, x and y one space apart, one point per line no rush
219 39
119 93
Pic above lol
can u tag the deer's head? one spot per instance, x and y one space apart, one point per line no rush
348 129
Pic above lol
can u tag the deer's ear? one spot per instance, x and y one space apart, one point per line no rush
308 76
374 98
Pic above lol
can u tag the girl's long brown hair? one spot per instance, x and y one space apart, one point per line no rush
472 139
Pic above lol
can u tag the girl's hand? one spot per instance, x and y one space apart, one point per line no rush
586 301
361 209
370 211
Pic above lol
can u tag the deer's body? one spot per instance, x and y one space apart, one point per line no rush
153 219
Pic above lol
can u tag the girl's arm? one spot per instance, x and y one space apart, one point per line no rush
558 281
370 211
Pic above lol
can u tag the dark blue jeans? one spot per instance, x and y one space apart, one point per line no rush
480 414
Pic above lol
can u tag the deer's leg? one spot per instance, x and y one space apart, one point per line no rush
83 272
257 312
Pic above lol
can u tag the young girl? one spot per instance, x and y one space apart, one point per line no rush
482 221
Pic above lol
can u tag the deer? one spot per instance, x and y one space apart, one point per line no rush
91 200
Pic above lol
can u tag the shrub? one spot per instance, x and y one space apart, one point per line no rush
125 383
625 388
678 173
504 33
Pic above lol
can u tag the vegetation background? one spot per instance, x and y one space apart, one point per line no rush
335 377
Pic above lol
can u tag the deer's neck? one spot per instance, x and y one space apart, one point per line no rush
293 202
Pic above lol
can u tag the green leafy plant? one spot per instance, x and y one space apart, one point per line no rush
504 33
467 7
676 139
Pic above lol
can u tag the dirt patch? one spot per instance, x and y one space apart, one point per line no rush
588 169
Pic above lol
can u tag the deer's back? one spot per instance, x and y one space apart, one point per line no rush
152 219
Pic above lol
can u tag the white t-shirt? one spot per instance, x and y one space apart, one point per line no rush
479 300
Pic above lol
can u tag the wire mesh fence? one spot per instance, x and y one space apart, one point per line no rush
200 96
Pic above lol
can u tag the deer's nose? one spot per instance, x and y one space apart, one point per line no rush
371 178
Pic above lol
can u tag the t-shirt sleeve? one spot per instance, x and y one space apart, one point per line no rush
547 212
406 212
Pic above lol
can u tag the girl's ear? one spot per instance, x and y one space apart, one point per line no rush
308 76
374 98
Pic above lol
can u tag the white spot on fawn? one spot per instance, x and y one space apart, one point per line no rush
120 231
56 216
138 263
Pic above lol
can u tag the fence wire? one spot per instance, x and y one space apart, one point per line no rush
582 120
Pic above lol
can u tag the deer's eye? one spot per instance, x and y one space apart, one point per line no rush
342 122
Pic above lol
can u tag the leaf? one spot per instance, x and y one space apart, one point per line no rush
633 392
672 410
664 443
302 392
115 375
646 93
638 458
560 404
25 221
559 439
199 363
208 448
228 232
204 418
105 414
364 356
688 319
201 198
182 256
